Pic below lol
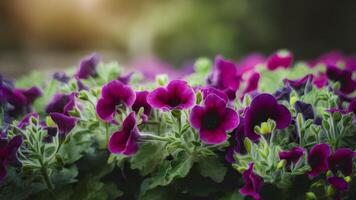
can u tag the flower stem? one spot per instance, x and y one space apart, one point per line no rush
45 176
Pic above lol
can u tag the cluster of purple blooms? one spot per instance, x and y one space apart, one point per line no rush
214 118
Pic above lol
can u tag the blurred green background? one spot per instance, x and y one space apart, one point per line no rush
50 35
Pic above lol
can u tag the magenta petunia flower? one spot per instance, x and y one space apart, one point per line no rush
26 120
213 119
291 156
141 101
344 77
125 141
64 123
237 142
61 103
338 183
114 94
263 107
302 85
318 159
320 80
225 77
206 91
88 66
252 83
253 183
8 154
341 160
177 95
249 63
281 58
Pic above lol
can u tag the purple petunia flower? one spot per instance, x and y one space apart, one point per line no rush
302 85
88 66
320 80
338 183
206 91
141 101
281 58
114 94
64 123
8 154
341 160
253 183
213 119
352 106
61 103
225 77
177 95
125 141
26 120
252 83
344 76
61 77
292 156
283 93
125 79
249 63
237 142
305 109
318 159
263 107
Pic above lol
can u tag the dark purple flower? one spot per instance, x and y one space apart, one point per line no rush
225 77
237 142
213 119
114 94
341 160
352 106
338 183
26 120
141 101
61 77
283 93
88 66
281 58
302 85
81 85
344 77
292 156
253 183
125 141
61 103
64 123
177 95
125 79
8 154
318 159
305 109
31 94
263 107
252 83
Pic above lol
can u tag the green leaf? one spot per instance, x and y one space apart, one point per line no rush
161 193
235 195
148 157
65 176
213 168
168 171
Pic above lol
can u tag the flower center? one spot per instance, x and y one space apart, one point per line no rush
211 120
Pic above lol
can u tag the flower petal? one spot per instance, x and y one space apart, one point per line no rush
213 136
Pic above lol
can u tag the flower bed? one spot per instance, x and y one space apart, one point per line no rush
257 129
